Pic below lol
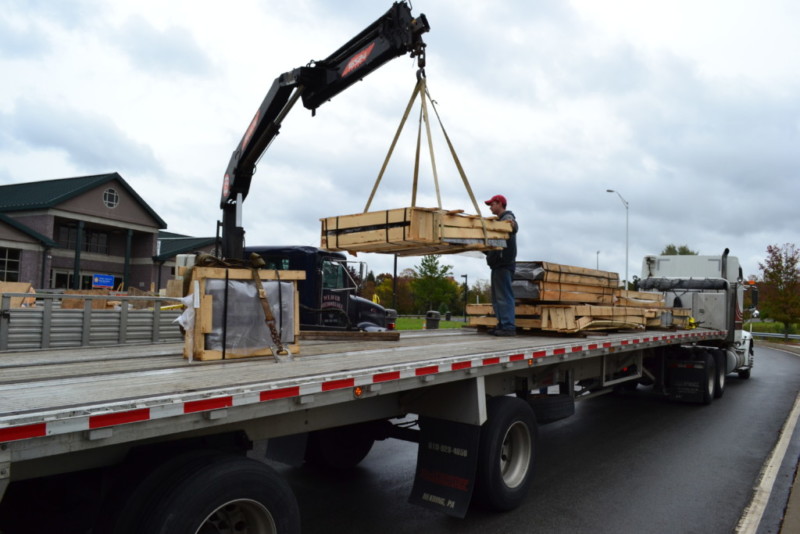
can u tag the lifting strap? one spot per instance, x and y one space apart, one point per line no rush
421 89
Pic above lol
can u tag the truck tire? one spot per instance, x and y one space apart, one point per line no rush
224 493
550 408
720 361
339 448
135 487
506 454
709 378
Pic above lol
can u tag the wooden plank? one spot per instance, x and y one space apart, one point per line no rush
581 279
211 355
574 288
565 296
521 322
245 274
640 295
570 269
519 309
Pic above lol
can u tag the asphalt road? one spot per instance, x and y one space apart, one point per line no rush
628 464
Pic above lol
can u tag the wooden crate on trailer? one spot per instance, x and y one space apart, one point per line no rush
202 342
413 231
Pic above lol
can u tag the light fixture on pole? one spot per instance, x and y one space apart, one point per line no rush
624 203
466 290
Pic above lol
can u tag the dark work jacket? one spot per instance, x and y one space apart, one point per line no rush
507 256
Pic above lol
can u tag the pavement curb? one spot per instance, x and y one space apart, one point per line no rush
791 518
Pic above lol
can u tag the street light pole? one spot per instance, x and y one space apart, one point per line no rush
624 203
466 290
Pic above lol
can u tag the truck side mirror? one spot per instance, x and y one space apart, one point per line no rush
754 295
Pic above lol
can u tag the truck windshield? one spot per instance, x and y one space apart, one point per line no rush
333 275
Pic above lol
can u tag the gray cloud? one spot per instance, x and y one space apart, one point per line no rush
90 142
22 42
171 51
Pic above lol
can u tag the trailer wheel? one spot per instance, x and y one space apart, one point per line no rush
719 377
709 378
339 448
506 454
222 494
136 487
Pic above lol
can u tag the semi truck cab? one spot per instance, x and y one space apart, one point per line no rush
328 295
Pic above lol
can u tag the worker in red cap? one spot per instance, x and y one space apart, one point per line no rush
503 262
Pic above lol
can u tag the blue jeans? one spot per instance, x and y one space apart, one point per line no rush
503 298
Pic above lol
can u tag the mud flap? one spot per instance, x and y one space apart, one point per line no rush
686 382
447 461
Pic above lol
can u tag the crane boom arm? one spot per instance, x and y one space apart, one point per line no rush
394 34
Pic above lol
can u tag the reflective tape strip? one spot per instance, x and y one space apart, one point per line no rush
107 418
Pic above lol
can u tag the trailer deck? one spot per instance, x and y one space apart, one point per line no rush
62 391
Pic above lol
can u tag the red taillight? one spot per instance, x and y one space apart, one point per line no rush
390 326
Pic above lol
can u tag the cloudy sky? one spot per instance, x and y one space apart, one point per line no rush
689 109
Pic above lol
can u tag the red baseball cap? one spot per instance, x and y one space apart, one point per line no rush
497 198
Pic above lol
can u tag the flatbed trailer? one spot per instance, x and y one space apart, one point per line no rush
74 410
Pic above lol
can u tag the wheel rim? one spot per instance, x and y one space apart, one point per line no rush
243 516
515 454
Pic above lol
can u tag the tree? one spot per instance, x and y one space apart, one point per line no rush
480 292
404 302
433 284
780 289
683 250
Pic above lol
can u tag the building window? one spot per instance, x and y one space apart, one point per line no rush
110 198
93 240
9 264
63 280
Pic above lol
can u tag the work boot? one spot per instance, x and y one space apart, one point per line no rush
504 333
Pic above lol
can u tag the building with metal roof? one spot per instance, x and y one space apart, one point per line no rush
79 232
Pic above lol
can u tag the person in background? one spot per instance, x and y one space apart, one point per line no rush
502 263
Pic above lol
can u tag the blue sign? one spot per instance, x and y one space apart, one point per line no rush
103 281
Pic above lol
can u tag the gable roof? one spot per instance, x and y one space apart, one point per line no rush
50 193
170 245
46 241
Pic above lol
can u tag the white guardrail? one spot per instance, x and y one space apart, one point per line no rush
770 335
45 323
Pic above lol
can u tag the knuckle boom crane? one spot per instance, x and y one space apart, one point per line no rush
394 34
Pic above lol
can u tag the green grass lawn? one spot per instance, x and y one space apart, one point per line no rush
771 327
415 323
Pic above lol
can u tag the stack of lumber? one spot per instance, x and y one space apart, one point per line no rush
540 281
566 299
413 231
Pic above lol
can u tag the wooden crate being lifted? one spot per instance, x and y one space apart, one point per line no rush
413 231
203 341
